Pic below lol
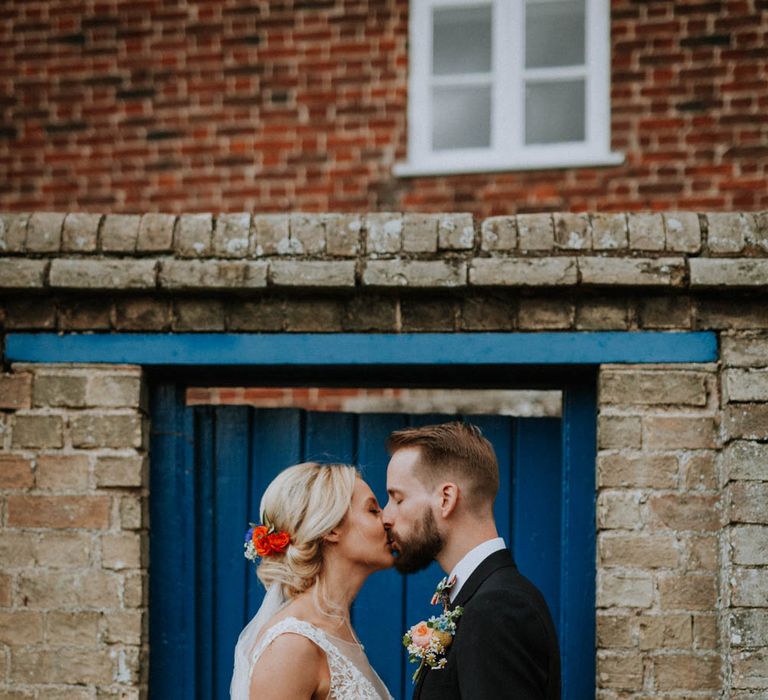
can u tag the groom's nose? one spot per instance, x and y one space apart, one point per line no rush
386 516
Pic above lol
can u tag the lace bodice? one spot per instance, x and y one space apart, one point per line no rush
350 680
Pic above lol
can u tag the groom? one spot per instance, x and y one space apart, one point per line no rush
442 481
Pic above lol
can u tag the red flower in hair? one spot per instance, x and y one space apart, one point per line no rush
266 541
279 541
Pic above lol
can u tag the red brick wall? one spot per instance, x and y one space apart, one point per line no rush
182 105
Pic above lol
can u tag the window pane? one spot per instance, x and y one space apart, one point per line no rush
554 112
554 33
461 41
461 117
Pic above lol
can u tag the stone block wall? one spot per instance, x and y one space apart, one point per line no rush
682 529
73 532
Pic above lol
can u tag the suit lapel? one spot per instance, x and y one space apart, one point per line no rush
493 562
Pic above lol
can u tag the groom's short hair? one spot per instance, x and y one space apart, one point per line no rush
453 449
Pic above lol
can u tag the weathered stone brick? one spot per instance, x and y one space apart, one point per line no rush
383 233
5 590
609 231
30 430
263 315
687 672
64 665
420 233
638 551
134 513
639 387
687 591
63 549
198 315
746 384
748 421
744 351
44 232
22 274
58 511
488 313
136 591
699 470
746 460
618 510
342 234
522 272
308 315
702 553
119 233
93 589
118 430
536 232
728 232
62 389
683 231
748 502
705 632
613 631
123 551
665 632
617 432
123 470
666 312
646 231
637 470
15 391
619 672
102 274
15 472
750 669
313 273
370 313
113 390
545 314
307 234
82 314
455 232
13 232
678 432
142 314
193 235
713 313
21 627
687 511
80 233
414 273
212 274
75 629
271 235
59 472
572 231
30 314
749 545
17 549
749 628
427 314
155 233
617 589
749 587
231 235
743 272
602 314
635 272
127 627
498 233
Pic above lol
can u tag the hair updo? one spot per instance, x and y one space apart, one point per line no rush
307 501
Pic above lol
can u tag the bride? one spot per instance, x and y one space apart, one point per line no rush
321 537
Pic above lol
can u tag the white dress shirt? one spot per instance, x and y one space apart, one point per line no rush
471 560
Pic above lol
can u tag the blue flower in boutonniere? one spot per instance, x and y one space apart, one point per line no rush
427 642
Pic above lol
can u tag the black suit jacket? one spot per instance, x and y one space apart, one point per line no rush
505 644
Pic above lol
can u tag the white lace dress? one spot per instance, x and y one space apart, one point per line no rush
352 677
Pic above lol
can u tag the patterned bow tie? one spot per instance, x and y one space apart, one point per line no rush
443 590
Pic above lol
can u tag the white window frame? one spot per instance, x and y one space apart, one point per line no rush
508 150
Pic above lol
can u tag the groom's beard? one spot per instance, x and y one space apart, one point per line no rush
419 552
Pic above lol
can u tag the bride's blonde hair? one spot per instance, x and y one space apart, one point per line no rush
307 501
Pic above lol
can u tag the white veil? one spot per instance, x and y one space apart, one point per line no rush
273 601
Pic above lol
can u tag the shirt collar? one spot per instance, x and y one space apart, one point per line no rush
470 561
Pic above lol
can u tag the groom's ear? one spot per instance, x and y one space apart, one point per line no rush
449 498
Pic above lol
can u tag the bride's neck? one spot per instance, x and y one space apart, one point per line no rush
335 590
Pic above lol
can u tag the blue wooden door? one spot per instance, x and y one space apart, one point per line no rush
209 469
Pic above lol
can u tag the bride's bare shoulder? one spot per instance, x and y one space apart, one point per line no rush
275 674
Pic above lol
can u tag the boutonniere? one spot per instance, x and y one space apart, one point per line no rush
428 641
